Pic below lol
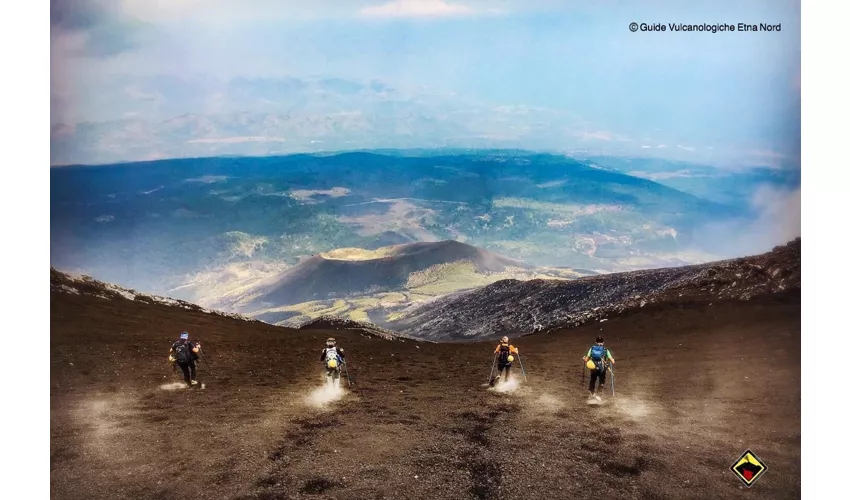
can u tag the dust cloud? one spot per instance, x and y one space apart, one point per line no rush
323 396
173 386
510 386
633 408
548 403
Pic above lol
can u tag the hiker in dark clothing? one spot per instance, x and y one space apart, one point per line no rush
184 354
505 353
597 359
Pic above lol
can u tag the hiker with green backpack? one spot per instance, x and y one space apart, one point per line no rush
184 354
596 360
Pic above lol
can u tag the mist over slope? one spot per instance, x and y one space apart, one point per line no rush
521 307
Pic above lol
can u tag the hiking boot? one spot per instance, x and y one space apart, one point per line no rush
194 382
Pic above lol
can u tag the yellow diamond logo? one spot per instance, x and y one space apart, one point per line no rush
749 468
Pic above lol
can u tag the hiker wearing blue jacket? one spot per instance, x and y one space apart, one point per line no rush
597 359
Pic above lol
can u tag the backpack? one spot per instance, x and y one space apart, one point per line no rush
331 354
504 352
597 354
183 353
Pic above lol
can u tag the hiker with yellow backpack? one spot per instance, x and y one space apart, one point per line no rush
596 360
504 354
333 358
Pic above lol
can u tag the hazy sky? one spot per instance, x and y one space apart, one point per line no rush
732 88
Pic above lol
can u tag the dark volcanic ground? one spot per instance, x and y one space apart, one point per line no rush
696 386
507 306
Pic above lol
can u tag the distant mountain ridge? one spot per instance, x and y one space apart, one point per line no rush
193 228
324 276
86 285
65 283
349 283
516 308
523 307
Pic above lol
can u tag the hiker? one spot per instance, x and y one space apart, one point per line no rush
184 354
596 359
333 357
505 354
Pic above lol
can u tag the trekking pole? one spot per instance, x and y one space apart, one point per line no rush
520 366
201 351
204 358
612 382
345 365
492 367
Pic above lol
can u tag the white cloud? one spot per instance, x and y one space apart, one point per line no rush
416 8
766 153
775 220
236 140
232 11
600 135
158 10
227 12
685 148
779 214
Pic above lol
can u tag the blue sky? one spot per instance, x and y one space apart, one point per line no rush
734 90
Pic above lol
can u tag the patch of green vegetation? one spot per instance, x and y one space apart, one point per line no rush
312 309
359 315
363 302
395 316
557 209
392 297
415 296
357 254
453 283
440 273
338 307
